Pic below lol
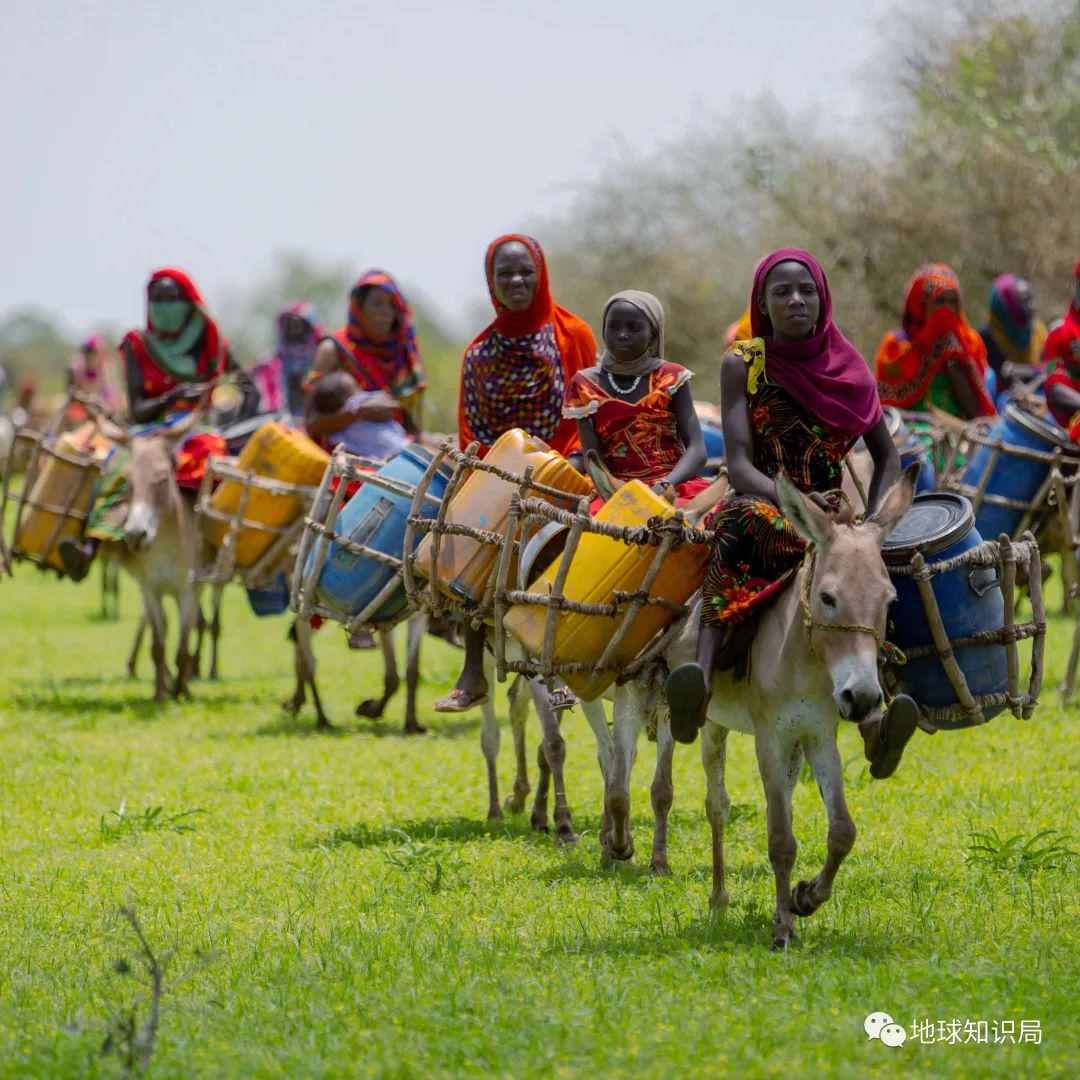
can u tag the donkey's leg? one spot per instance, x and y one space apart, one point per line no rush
553 749
155 617
216 594
616 838
136 646
489 743
779 765
299 695
414 636
373 708
605 750
717 804
519 715
305 668
824 757
188 602
662 792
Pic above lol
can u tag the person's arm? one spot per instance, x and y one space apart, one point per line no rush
245 383
745 477
886 462
141 409
963 391
689 427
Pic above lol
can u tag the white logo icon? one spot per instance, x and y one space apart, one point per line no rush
880 1025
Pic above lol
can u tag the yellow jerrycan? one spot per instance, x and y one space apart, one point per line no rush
58 485
465 565
601 567
275 452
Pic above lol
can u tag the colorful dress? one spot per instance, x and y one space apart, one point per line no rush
755 549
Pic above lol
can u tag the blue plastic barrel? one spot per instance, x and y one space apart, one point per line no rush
271 600
714 444
911 449
376 518
1013 477
940 526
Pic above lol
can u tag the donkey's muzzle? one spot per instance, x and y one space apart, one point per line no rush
857 702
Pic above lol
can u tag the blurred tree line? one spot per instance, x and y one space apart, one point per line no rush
970 153
972 158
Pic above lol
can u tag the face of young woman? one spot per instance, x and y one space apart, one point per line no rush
791 300
165 289
1026 295
377 312
627 333
294 329
515 276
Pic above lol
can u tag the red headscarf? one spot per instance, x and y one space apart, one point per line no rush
907 362
516 371
393 365
824 372
213 348
1063 344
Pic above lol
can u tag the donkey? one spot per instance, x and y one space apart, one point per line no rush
814 661
158 548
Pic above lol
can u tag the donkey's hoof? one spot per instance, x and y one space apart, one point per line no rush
660 868
803 903
614 854
783 935
414 729
565 835
719 900
371 709
291 706
494 813
539 824
515 804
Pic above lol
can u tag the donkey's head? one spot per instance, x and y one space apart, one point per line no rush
845 591
154 493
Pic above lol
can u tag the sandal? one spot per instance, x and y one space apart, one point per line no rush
897 727
459 701
688 698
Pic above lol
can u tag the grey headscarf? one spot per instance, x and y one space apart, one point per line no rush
653 356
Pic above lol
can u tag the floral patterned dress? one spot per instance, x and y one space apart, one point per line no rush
755 549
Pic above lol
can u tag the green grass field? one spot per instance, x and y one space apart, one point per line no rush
338 907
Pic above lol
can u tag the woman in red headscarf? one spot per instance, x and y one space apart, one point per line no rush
378 348
1062 356
937 359
515 374
168 366
795 398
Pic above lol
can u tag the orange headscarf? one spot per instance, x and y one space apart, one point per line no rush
515 372
908 360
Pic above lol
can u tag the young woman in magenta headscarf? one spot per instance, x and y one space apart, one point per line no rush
796 397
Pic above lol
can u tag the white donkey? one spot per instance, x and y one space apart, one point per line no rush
159 547
814 661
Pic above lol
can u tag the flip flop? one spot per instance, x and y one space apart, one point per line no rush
898 725
459 701
687 695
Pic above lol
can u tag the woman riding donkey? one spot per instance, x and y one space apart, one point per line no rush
377 408
514 375
169 367
796 398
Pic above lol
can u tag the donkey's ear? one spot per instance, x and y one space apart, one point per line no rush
807 519
896 501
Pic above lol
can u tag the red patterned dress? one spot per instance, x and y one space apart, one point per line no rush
638 440
755 549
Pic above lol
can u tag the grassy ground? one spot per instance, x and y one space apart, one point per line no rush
336 906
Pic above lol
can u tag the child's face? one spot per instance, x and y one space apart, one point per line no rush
627 333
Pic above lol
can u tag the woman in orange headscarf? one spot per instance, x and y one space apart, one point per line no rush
937 359
515 374
516 370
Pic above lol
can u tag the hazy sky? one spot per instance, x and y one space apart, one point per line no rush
402 134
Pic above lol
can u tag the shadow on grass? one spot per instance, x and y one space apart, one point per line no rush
459 829
301 724
741 927
72 697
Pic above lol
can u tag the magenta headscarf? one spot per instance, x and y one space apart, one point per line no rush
824 372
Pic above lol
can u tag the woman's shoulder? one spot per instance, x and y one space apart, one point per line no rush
744 360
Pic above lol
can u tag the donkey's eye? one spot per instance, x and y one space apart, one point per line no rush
828 599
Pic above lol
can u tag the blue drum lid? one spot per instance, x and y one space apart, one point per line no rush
1040 428
935 521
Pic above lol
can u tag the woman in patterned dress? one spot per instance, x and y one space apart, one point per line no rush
514 375
795 397
634 408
